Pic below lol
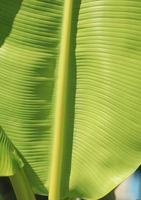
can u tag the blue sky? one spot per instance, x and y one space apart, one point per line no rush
130 189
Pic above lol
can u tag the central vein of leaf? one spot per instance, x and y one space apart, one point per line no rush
60 104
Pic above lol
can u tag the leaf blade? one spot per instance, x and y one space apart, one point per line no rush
106 144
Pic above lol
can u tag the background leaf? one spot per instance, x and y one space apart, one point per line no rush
10 160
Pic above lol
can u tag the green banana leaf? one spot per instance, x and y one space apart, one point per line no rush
1 198
70 93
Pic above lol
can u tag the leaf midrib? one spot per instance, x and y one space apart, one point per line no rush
61 103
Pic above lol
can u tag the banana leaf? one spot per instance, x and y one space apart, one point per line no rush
70 94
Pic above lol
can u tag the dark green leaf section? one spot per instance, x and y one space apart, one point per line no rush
8 11
10 160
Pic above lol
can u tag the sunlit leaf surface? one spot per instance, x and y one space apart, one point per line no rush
105 69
